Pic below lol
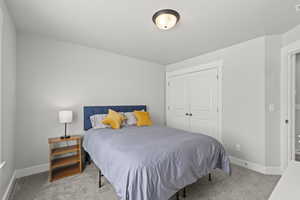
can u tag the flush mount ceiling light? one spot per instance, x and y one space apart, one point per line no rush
166 18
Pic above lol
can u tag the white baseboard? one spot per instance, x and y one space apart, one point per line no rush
19 173
32 170
256 167
249 165
9 187
273 171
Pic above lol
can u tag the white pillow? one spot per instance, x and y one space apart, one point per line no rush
96 121
131 120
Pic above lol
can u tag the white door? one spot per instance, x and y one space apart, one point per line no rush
203 102
178 103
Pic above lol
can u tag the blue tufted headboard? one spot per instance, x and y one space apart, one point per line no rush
93 110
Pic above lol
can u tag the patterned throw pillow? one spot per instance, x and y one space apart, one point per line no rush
131 119
96 121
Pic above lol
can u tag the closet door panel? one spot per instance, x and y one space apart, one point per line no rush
203 102
177 103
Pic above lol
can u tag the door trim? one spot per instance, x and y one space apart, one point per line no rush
287 103
190 70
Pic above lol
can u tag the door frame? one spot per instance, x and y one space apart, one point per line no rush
198 68
287 105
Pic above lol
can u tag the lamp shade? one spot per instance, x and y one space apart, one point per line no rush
65 116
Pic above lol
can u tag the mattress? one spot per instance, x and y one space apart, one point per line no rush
153 163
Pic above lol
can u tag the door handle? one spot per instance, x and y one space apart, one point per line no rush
186 114
190 114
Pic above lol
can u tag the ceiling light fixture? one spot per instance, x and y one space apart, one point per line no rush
166 18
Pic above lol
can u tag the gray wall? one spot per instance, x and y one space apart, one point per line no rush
54 75
297 120
243 97
273 50
8 99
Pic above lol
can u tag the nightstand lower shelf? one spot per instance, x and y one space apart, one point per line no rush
69 160
65 171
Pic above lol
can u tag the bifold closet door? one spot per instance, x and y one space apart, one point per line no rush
203 102
177 113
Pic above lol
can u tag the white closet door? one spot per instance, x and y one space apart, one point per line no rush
177 103
203 87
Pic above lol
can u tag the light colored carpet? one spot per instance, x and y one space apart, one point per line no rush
242 185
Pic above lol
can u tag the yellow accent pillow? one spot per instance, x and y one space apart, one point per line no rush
142 118
113 119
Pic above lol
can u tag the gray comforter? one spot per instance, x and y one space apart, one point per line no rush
153 163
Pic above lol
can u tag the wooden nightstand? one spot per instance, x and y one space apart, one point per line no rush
64 160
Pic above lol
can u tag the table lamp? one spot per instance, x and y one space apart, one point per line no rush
65 117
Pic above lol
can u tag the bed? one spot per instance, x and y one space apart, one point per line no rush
150 163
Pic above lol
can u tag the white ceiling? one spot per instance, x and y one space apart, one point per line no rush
125 26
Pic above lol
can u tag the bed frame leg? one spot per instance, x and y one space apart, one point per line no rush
209 176
184 192
100 178
88 160
177 196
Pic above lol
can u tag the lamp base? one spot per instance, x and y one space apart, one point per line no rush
65 137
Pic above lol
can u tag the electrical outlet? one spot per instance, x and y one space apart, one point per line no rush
238 147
